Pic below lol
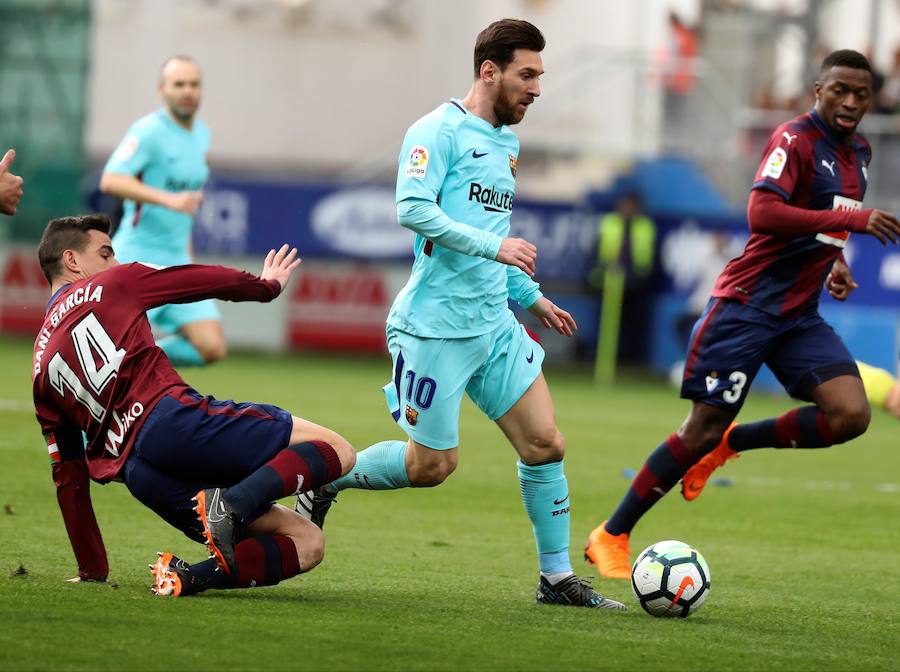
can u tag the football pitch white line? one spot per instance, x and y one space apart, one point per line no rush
16 406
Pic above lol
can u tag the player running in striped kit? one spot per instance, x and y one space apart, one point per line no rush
804 203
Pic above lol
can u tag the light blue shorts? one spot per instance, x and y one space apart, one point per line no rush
431 374
172 316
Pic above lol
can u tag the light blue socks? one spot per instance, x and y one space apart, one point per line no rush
545 492
379 467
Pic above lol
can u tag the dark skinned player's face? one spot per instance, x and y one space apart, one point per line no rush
843 96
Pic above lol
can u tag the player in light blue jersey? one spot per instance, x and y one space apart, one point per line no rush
450 330
160 168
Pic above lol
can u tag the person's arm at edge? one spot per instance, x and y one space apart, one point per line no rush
70 476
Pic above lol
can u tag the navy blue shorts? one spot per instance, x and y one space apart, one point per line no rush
190 442
731 341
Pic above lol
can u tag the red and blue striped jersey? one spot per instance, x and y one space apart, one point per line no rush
813 168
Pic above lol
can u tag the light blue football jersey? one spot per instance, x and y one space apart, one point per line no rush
165 156
456 185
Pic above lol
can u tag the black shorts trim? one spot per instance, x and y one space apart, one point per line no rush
810 381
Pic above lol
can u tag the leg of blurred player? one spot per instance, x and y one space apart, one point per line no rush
195 344
882 388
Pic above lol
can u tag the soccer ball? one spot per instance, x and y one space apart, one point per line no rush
670 578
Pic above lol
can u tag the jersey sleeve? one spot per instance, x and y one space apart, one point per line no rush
65 443
133 154
522 289
782 163
154 286
425 159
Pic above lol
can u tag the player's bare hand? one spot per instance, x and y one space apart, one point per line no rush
884 226
840 281
553 317
518 252
187 202
10 185
279 265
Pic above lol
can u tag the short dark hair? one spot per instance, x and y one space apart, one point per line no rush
499 40
845 58
66 233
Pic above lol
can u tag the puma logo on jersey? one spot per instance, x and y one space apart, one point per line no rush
790 138
830 166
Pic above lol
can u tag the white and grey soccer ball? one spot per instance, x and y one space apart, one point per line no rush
670 578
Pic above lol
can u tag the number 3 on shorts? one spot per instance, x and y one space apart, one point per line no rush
738 379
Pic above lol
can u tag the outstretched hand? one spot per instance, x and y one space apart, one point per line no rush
884 226
553 317
279 265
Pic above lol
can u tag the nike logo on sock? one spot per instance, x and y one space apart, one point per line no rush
557 502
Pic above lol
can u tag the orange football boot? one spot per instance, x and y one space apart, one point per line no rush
694 480
609 553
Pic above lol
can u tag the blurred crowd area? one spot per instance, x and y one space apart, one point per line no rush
308 102
886 88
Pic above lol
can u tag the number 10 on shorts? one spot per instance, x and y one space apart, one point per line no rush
424 389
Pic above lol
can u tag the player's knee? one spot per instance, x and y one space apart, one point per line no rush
892 404
546 445
212 350
217 351
345 451
851 421
427 473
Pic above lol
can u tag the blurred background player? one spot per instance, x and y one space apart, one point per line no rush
10 185
160 168
97 374
805 201
450 330
882 388
626 249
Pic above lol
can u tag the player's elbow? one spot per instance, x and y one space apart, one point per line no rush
108 183
411 213
762 211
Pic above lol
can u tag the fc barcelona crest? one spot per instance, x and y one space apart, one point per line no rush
412 415
513 164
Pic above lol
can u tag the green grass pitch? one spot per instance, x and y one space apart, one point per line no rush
803 549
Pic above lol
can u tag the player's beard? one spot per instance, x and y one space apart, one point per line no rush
507 110
178 112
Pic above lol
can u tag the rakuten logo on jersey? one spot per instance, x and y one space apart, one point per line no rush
491 198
